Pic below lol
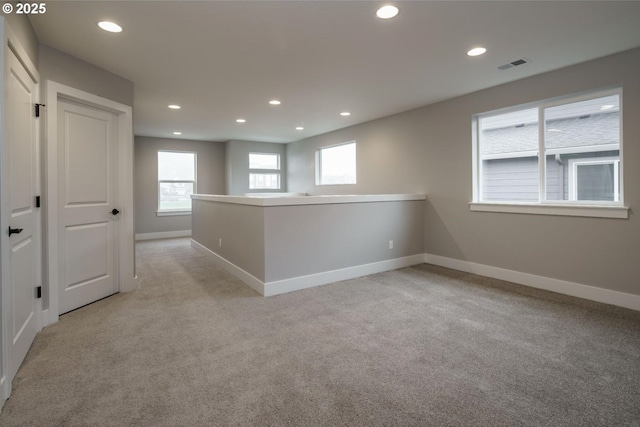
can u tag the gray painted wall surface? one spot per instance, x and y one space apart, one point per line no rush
390 153
210 179
241 228
303 240
429 150
237 168
68 70
281 242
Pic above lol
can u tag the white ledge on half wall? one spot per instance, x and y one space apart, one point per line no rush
307 200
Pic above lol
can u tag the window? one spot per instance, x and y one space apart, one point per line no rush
261 171
176 181
563 152
336 164
594 179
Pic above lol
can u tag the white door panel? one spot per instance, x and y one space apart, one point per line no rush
88 247
87 162
87 158
20 176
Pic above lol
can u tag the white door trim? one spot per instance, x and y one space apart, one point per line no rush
126 249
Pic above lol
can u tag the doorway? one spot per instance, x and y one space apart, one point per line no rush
90 247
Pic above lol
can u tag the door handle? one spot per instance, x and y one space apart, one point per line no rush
115 211
14 231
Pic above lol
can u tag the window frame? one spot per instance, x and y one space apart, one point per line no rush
261 171
573 173
175 212
318 163
605 209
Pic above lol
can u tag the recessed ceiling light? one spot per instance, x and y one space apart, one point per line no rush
387 12
299 128
554 130
476 51
177 133
174 107
345 113
112 27
607 107
241 120
275 102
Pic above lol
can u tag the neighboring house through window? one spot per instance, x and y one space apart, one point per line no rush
176 182
336 164
566 151
264 171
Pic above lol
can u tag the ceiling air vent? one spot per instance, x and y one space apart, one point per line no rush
515 63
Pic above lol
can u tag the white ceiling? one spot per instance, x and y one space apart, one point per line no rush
223 60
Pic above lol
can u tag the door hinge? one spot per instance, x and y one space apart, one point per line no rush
39 292
38 109
37 201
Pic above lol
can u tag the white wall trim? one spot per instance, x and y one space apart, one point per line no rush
303 282
253 282
163 235
592 293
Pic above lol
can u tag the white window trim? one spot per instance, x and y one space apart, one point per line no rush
319 165
615 209
177 212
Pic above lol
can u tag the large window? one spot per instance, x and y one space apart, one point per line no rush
562 152
176 181
264 171
336 164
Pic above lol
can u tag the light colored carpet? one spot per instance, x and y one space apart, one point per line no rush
420 346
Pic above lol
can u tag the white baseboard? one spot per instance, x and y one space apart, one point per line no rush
163 235
303 282
253 282
607 296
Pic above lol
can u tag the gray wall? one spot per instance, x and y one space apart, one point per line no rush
430 150
241 228
210 179
283 242
68 70
309 239
237 167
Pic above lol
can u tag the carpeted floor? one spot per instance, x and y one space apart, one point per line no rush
420 346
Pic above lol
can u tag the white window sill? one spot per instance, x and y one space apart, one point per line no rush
172 213
594 211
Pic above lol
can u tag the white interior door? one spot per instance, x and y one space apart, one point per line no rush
87 195
20 186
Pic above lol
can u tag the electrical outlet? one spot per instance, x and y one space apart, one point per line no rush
220 243
390 244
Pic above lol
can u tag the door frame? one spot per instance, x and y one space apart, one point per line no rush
126 249
11 42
